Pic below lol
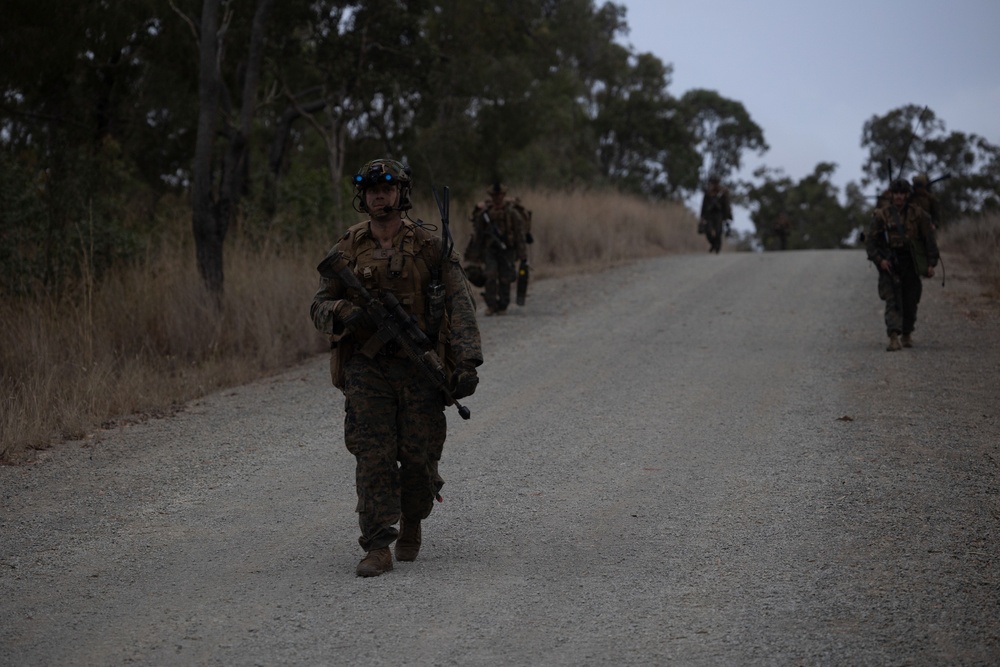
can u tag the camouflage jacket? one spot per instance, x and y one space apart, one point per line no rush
715 205
508 227
908 230
407 271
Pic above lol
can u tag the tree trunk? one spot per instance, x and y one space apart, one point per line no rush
212 213
208 237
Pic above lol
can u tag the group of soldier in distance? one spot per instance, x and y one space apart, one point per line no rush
398 307
900 241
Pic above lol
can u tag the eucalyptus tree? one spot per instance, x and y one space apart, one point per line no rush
914 140
722 130
819 219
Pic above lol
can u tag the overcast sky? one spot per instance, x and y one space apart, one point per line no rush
811 73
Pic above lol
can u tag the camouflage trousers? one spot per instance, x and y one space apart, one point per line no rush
395 427
713 232
901 294
500 274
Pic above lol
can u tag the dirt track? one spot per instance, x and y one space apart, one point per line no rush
697 459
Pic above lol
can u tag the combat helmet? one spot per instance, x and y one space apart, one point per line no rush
383 170
920 181
497 188
900 185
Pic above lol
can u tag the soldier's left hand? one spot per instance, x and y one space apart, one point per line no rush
930 271
464 382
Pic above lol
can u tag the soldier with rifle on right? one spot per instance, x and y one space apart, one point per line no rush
901 243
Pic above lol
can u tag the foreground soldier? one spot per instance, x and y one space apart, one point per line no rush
902 244
716 211
395 423
499 242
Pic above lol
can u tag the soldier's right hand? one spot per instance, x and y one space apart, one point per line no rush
341 315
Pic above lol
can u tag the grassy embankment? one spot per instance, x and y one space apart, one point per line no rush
147 339
978 240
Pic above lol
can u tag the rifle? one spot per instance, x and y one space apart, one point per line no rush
498 239
436 293
494 231
392 324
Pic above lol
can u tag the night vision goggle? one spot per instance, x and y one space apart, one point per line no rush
375 176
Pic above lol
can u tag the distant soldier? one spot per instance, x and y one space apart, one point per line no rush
782 229
902 244
499 242
716 212
925 199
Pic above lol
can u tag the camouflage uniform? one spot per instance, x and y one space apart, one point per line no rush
906 239
395 423
499 242
716 210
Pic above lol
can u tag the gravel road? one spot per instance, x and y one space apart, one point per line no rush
699 460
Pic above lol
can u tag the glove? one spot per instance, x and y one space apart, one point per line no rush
337 316
528 238
464 381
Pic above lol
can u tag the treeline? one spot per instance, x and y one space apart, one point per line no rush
255 113
964 170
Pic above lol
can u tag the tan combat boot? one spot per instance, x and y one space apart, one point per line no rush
906 340
893 343
408 542
376 562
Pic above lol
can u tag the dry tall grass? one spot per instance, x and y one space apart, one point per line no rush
978 239
147 339
591 230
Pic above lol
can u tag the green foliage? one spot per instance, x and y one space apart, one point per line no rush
722 130
818 218
66 225
914 140
102 119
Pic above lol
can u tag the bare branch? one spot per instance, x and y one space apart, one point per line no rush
186 19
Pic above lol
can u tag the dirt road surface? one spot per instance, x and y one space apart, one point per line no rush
698 460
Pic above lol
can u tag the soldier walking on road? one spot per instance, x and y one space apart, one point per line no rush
499 242
716 212
902 245
395 423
